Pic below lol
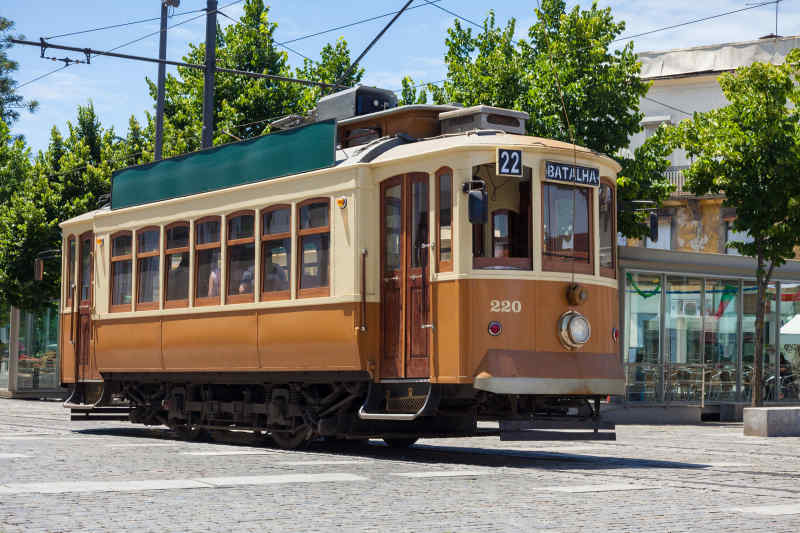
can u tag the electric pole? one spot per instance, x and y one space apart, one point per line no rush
208 83
162 67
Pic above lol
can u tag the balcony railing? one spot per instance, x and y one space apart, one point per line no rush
676 177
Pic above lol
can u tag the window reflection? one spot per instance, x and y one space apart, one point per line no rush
720 338
643 336
750 301
276 259
445 218
208 273
566 223
788 387
607 225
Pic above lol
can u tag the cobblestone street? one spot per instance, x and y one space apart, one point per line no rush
57 475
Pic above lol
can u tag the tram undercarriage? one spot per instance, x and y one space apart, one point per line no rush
294 413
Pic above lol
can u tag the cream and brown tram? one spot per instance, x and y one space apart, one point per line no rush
391 272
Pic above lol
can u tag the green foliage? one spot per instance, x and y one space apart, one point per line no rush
9 101
66 180
574 86
241 103
749 151
410 96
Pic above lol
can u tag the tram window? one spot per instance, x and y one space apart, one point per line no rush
276 249
86 270
566 215
314 247
505 243
147 271
71 268
607 229
241 257
207 257
176 265
121 267
445 219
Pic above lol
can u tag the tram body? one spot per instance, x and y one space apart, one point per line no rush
357 300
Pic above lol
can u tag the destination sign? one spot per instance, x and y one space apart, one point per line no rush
572 173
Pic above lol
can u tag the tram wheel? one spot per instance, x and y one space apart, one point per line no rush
291 440
400 442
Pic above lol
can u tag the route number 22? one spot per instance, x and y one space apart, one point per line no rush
505 306
509 162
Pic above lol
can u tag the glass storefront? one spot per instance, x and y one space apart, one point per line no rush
29 359
5 344
37 365
690 339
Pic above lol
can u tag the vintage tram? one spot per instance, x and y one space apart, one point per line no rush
385 271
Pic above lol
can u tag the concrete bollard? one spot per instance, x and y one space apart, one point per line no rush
772 421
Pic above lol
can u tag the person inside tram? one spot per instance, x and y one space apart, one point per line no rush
213 277
275 278
246 281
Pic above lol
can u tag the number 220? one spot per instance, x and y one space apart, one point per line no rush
505 306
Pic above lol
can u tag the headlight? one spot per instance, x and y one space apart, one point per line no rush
574 329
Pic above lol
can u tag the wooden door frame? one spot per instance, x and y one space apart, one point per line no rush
386 184
83 369
424 270
405 182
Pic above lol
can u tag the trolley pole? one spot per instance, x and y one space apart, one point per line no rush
162 67
208 83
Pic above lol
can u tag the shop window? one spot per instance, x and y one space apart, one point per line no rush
207 258
769 372
444 220
276 250
70 269
176 265
608 223
720 339
147 268
566 220
314 247
241 254
506 243
643 294
121 268
788 383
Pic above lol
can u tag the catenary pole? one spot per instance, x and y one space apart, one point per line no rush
162 68
208 82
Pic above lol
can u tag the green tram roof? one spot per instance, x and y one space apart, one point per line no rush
264 158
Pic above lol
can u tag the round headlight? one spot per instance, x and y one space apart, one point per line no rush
574 329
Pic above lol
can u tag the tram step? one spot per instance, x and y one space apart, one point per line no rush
557 435
84 412
555 423
377 403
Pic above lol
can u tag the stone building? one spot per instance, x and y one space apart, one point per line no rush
688 299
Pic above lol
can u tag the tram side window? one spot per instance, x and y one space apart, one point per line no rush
207 257
241 257
71 268
445 219
276 249
147 268
121 263
314 247
607 230
505 242
566 216
176 265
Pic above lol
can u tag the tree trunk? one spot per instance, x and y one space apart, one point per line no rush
758 350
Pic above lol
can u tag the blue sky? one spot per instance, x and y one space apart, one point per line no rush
413 46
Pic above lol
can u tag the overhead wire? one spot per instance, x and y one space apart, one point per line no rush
131 23
130 42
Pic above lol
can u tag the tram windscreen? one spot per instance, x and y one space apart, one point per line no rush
504 241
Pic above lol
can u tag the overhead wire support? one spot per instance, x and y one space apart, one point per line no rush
375 40
179 64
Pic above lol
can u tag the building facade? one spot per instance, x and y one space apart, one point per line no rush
688 300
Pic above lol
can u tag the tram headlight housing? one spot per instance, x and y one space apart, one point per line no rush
574 329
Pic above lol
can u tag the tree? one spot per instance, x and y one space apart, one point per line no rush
574 86
242 104
9 101
66 180
749 151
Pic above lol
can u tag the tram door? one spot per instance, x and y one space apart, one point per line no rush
405 289
85 296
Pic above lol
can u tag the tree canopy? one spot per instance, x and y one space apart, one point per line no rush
574 85
10 102
749 151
